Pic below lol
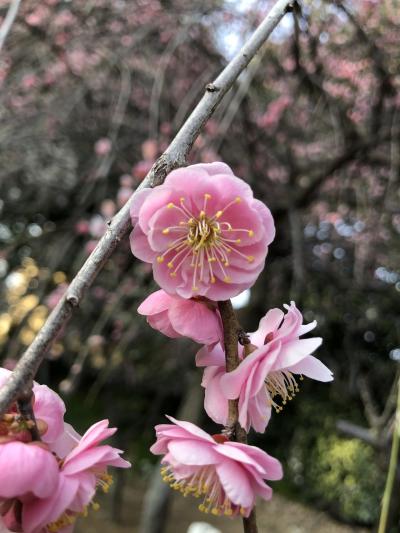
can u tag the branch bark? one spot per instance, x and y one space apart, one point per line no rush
8 21
232 330
173 157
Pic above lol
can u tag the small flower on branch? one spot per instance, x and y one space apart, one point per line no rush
226 475
266 378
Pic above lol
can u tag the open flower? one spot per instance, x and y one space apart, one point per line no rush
176 317
203 232
267 377
227 475
82 471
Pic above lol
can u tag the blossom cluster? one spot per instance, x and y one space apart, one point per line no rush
207 239
46 484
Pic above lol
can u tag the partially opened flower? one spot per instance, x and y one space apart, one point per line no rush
203 232
226 475
176 317
82 471
48 407
267 377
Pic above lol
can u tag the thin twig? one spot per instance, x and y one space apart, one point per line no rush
8 21
25 409
231 338
391 475
173 157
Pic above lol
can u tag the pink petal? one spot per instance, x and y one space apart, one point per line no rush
210 356
216 167
37 514
268 324
140 246
195 320
155 303
26 469
137 201
67 441
193 452
312 368
215 403
296 350
192 429
48 406
236 483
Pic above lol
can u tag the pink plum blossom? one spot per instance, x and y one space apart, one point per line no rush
267 373
228 475
203 232
176 317
82 470
48 407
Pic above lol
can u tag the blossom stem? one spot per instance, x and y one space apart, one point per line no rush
391 475
25 409
232 333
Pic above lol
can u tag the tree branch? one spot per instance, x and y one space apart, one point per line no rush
8 21
232 331
173 157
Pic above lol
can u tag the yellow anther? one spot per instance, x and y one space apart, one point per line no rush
250 258
207 196
212 279
173 274
251 233
215 511
95 506
165 231
202 214
238 241
227 279
211 259
238 199
228 512
160 259
170 264
194 288
226 263
202 508
218 214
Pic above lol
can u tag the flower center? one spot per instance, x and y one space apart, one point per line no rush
281 383
204 241
204 483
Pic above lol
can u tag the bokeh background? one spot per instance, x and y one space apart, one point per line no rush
92 91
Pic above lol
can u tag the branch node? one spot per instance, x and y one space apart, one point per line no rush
211 88
73 300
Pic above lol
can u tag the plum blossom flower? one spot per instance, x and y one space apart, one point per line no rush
227 475
176 317
82 470
48 408
265 375
203 232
